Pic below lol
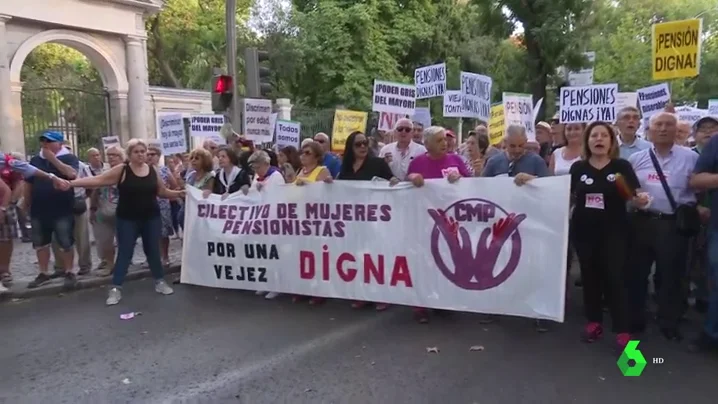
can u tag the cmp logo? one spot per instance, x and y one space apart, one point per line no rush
631 352
474 261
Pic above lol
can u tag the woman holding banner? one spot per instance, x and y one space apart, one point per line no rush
231 176
435 163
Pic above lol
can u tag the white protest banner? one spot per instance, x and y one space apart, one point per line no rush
257 118
452 104
394 98
519 110
589 103
690 114
109 141
172 136
422 116
583 77
713 107
626 100
476 95
430 81
388 121
287 134
205 125
480 245
653 99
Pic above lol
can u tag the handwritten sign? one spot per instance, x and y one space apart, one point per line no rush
422 116
346 122
677 49
258 120
589 103
172 136
476 95
205 125
653 99
109 141
394 98
430 81
690 114
496 124
713 107
452 104
519 110
287 134
388 121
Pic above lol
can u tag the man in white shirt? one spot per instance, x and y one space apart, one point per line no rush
400 153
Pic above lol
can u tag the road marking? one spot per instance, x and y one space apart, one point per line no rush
253 370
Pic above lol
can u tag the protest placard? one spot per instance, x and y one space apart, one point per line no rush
589 103
583 77
394 98
452 104
519 110
109 141
205 125
257 119
690 114
653 99
422 116
476 95
388 121
346 122
676 49
287 134
713 107
430 81
496 123
172 136
629 99
537 107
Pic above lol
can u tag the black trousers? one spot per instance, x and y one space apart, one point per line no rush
602 258
656 239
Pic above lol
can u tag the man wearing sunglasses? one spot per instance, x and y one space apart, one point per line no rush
400 153
331 162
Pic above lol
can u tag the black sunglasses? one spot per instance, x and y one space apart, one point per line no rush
361 143
404 129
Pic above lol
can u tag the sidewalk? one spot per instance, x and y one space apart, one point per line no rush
24 269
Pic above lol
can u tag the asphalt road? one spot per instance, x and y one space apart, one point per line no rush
217 346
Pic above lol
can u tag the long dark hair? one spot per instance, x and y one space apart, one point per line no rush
349 157
292 155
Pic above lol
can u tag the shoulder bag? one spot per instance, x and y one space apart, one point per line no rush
688 222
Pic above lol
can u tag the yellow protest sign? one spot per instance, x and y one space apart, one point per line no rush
496 124
676 49
346 122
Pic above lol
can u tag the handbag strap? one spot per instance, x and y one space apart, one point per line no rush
662 177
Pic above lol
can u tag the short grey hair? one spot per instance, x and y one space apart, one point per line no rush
432 131
405 121
322 135
92 150
117 149
515 130
625 110
260 156
306 142
662 114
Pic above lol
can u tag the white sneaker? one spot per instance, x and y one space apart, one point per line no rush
259 292
163 288
271 295
113 297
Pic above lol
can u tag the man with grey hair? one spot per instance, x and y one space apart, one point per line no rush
628 121
401 152
683 133
663 172
516 161
331 162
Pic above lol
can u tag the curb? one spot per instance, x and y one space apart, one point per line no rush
93 282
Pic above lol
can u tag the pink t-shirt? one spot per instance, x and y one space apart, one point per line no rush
438 168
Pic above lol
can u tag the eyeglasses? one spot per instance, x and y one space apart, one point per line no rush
361 143
404 129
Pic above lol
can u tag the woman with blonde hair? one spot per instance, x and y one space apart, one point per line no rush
137 214
103 206
199 175
154 154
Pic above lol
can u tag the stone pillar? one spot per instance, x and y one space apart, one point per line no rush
11 135
284 109
137 86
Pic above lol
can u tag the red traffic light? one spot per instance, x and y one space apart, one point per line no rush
223 84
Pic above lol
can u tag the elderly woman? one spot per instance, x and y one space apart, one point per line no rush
436 163
103 204
200 175
231 176
266 176
154 153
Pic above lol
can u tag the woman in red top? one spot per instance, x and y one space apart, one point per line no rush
10 192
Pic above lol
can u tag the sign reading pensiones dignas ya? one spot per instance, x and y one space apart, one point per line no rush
588 103
456 246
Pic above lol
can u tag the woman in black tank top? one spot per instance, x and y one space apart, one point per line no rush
137 214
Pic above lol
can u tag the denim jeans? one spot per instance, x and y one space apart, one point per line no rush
127 233
711 325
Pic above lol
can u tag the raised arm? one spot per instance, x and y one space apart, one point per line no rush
68 171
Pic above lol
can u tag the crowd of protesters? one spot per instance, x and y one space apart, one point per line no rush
641 206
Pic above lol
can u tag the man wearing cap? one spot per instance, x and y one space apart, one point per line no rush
706 178
52 211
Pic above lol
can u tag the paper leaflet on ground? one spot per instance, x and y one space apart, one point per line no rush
480 245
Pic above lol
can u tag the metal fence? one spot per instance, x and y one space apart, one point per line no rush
316 120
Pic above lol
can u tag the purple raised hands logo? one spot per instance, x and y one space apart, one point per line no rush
475 271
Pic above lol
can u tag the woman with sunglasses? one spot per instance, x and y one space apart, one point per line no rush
359 165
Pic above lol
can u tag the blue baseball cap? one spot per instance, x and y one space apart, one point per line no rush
52 136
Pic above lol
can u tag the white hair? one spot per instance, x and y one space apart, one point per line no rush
662 114
515 130
306 142
92 150
432 131
260 156
322 135
405 121
117 149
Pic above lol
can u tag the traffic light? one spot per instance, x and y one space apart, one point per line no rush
222 89
258 85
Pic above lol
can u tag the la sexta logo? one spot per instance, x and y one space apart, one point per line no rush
473 268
